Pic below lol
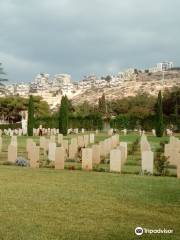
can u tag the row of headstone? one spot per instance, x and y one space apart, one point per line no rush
55 154
172 152
125 131
111 131
71 150
111 145
45 131
11 132
147 156
54 131
90 156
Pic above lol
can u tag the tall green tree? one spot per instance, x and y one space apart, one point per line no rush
64 115
159 116
31 121
102 104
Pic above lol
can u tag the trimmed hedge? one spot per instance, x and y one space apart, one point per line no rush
11 125
89 122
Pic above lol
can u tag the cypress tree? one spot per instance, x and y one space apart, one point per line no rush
159 116
102 104
64 115
30 116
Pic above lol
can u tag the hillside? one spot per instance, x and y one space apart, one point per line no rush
145 83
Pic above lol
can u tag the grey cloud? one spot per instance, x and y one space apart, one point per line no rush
80 37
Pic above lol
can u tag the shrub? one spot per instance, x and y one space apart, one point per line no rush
161 164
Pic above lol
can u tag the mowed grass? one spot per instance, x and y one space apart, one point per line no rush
49 204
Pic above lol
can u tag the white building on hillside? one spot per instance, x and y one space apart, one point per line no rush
164 66
10 89
40 83
22 89
88 82
62 79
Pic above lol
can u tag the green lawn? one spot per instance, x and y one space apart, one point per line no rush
48 204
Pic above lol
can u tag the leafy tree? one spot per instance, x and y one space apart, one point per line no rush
108 78
41 108
84 109
30 116
159 117
64 115
140 106
170 100
11 107
102 104
171 106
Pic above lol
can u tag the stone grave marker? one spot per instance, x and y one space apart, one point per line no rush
125 145
52 138
96 154
86 140
52 150
12 153
59 158
42 142
80 141
34 156
110 132
60 138
87 161
148 161
115 160
72 151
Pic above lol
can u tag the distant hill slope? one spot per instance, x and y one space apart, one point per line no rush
145 83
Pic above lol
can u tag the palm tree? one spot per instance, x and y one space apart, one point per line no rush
2 88
2 73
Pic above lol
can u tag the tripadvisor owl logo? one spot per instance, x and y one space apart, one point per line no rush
139 231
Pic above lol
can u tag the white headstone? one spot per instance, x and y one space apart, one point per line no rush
52 149
87 159
115 160
147 161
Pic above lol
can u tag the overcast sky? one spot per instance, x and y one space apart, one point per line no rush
81 37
